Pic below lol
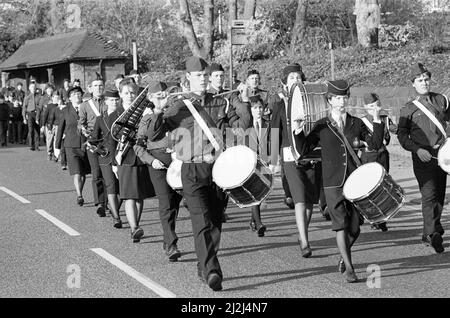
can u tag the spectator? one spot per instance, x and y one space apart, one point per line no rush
117 80
19 94
29 109
77 83
4 117
15 124
63 91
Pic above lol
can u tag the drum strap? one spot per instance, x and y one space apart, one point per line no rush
431 116
350 150
201 122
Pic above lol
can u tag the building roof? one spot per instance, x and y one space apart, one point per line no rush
61 48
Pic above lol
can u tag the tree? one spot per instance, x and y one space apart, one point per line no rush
249 9
233 10
367 22
300 25
206 51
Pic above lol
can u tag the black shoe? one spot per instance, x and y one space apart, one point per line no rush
80 200
214 281
252 225
55 159
137 234
341 266
383 227
101 211
289 202
32 149
50 157
64 167
350 276
436 242
118 223
173 253
262 229
306 252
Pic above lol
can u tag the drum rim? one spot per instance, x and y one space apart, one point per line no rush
365 196
167 175
246 179
439 156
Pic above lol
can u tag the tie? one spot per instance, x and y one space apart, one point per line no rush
258 132
341 123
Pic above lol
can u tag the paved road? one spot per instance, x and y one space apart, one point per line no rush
92 259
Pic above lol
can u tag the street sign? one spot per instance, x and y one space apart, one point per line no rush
240 32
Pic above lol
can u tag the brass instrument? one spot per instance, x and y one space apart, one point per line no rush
125 127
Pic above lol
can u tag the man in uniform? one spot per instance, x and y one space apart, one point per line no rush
418 134
197 150
29 114
89 111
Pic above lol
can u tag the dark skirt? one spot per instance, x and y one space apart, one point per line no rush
304 181
111 182
77 161
135 183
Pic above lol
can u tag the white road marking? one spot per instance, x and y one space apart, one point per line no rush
141 278
14 195
58 223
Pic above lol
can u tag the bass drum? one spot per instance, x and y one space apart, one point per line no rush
308 101
241 174
444 156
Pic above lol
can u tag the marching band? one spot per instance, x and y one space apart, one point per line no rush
134 140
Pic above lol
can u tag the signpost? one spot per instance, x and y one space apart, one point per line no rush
239 35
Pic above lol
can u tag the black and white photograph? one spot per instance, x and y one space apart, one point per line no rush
228 155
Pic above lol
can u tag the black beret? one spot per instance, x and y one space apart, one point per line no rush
252 72
195 64
338 87
370 98
74 89
156 87
215 67
111 94
418 70
292 68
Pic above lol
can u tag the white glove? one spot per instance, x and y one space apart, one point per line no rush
158 165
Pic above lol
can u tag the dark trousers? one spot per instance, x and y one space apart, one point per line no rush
15 132
284 182
3 131
33 130
206 214
432 183
62 154
381 157
169 203
24 132
98 184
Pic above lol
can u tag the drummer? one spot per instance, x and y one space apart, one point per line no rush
419 135
381 155
337 166
302 177
153 149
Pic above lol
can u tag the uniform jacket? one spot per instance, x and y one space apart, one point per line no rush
69 126
336 161
102 130
87 115
48 109
178 118
130 158
416 130
4 112
260 144
31 103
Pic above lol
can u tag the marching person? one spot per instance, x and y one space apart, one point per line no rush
253 81
197 152
153 148
134 180
29 114
73 142
259 142
381 155
303 177
89 111
227 112
102 140
335 133
56 115
47 106
421 130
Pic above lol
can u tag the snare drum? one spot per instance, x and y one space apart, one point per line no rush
373 191
173 175
243 176
444 156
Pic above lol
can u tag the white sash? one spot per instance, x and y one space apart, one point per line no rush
367 123
201 122
431 116
94 109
